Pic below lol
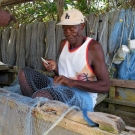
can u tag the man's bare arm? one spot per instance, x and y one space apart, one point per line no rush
5 18
96 58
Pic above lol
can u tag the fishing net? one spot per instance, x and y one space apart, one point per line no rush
121 34
35 84
32 81
16 110
16 116
127 68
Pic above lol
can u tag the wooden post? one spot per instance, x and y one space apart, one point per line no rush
112 96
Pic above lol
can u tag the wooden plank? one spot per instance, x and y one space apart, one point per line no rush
59 37
51 41
101 97
28 44
120 102
112 96
130 129
11 54
4 43
126 94
33 46
92 25
4 67
41 46
128 117
71 125
112 92
106 122
20 46
116 112
122 83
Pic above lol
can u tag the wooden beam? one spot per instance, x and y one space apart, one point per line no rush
120 102
70 125
116 112
107 122
112 96
13 2
122 83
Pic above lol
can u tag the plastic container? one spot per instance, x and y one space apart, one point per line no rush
121 54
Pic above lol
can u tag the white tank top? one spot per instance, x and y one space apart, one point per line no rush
74 64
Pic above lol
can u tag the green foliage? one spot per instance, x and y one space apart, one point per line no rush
44 10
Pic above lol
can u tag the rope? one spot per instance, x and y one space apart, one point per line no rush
129 38
132 25
122 32
91 29
58 121
117 46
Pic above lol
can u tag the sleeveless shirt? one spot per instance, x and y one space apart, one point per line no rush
74 64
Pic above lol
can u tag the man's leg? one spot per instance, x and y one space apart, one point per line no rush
31 81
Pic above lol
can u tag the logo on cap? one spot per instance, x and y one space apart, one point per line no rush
67 16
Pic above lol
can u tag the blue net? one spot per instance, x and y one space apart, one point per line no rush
116 32
127 68
123 31
30 81
14 87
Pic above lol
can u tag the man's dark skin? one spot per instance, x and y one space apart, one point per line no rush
5 18
73 33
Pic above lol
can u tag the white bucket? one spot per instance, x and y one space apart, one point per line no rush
131 44
121 54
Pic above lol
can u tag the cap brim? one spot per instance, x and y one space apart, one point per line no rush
68 23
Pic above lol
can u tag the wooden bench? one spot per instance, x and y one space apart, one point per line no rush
120 100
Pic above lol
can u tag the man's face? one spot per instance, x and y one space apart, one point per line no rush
72 32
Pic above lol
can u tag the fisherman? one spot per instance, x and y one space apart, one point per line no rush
80 73
5 18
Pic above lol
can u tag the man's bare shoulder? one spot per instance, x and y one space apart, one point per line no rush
94 45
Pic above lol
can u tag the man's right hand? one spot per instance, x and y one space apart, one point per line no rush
52 65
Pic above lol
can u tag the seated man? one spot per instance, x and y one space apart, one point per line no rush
5 18
81 71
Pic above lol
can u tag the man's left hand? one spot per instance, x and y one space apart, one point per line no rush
63 80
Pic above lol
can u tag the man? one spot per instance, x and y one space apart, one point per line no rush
5 18
81 71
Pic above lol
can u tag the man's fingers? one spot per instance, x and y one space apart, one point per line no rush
58 79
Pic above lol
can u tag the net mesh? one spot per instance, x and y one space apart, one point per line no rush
33 83
16 117
16 110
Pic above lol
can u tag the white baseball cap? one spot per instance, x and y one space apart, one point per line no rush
71 17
